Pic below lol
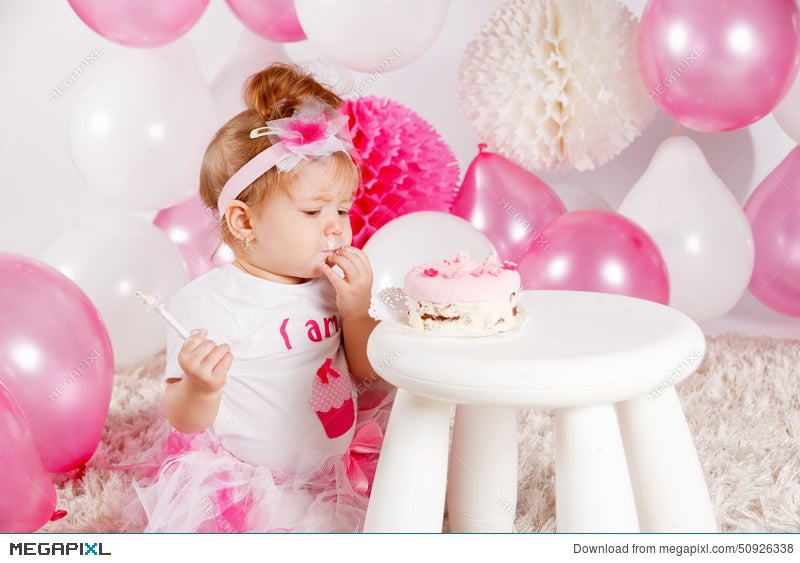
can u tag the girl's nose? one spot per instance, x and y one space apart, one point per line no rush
334 228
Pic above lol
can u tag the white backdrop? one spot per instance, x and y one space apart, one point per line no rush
43 41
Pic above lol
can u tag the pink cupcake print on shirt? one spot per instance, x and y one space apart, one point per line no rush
332 400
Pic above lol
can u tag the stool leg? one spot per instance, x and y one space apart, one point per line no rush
593 489
671 493
482 486
408 492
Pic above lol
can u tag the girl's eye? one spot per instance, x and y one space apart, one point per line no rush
312 213
344 212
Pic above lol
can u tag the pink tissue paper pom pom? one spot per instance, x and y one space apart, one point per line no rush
406 166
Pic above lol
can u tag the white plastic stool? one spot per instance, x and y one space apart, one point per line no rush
625 460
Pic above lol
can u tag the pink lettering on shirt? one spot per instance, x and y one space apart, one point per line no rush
314 332
285 335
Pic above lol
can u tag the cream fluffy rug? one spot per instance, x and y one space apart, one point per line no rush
743 406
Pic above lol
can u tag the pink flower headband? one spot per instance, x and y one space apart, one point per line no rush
309 132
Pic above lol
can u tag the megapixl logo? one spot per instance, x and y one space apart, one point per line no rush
51 548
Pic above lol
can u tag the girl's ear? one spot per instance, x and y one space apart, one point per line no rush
237 216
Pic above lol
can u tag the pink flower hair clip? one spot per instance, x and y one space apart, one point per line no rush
314 130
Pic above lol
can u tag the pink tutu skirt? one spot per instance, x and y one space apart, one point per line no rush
196 485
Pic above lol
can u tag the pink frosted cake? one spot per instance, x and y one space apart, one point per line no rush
459 297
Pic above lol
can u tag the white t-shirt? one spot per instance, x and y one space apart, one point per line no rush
288 361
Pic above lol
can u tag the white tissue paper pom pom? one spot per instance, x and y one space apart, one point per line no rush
554 85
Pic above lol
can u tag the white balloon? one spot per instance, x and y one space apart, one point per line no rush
251 55
374 36
787 112
415 238
111 258
698 225
139 131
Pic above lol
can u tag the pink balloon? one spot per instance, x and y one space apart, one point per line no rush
55 359
275 20
505 202
27 496
596 250
140 23
195 230
773 211
718 65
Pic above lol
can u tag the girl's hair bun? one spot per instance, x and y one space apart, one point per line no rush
276 91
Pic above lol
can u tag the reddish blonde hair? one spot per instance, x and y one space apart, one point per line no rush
273 93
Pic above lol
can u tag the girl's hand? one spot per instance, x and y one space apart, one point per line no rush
353 292
204 363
